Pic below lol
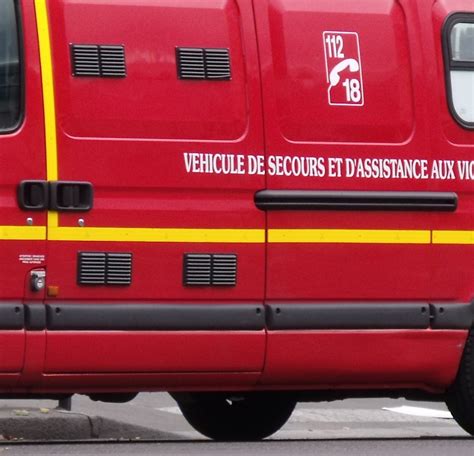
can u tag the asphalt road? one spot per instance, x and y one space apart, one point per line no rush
155 426
275 448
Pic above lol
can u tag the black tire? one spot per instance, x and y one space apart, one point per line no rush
460 398
236 417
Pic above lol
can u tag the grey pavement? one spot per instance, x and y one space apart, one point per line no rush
156 417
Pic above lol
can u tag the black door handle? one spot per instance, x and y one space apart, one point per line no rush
70 196
63 196
33 195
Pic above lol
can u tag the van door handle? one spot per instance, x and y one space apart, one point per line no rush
67 196
33 195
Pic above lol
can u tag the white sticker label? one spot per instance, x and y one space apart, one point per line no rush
31 259
343 69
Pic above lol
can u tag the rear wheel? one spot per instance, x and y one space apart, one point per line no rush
236 417
460 399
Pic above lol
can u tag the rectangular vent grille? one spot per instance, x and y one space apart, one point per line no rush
201 63
224 269
217 63
92 60
101 268
197 269
210 269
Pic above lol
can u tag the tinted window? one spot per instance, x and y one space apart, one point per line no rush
459 57
462 42
9 67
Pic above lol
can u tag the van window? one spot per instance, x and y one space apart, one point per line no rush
9 67
459 57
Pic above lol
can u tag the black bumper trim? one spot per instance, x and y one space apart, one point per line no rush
309 200
12 315
35 317
347 315
221 316
155 317
452 316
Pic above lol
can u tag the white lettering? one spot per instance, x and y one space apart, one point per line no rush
187 161
332 167
466 169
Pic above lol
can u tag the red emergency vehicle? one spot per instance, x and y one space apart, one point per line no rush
246 203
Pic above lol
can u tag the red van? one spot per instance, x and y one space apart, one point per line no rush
245 203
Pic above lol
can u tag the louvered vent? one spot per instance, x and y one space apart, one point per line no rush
112 61
119 268
85 60
201 63
92 268
224 269
191 63
100 268
197 269
98 61
217 63
210 269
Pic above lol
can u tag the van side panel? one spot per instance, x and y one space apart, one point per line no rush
144 141
400 52
339 253
356 113
194 117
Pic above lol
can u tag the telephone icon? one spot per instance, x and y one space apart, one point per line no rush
334 76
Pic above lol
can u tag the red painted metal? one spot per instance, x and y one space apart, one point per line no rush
135 351
426 360
12 348
157 273
33 367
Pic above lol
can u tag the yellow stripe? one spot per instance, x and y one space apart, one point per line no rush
48 89
48 97
53 219
183 235
247 236
236 236
453 237
308 236
23 233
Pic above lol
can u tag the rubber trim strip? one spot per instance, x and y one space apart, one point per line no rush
452 316
221 316
155 317
309 200
35 317
12 315
348 315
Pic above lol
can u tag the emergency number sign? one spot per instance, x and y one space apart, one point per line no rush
343 68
